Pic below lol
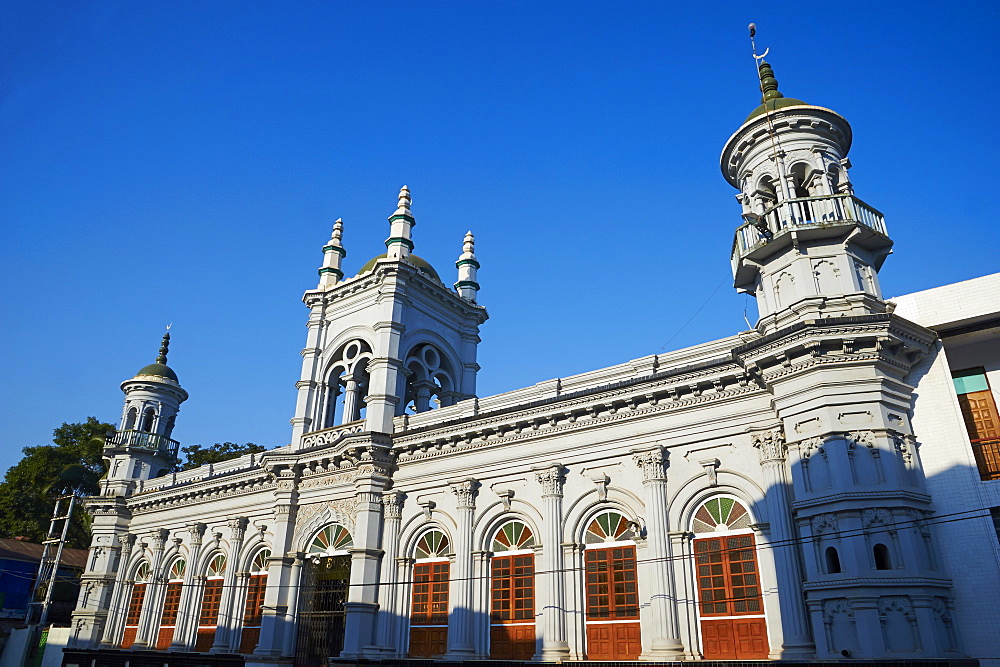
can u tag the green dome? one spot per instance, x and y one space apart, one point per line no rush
160 370
422 265
777 103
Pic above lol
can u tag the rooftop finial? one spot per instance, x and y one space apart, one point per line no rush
338 231
404 200
470 242
768 84
164 344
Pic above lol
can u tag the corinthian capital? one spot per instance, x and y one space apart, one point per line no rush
392 502
652 463
551 479
465 491
237 527
770 444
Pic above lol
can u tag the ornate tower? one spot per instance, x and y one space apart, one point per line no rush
808 248
392 339
142 447
843 471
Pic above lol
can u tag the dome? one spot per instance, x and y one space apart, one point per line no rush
777 103
159 370
422 265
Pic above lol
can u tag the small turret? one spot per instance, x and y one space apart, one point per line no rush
400 244
467 267
142 447
333 254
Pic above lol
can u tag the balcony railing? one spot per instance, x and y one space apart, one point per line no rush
987 454
804 211
142 440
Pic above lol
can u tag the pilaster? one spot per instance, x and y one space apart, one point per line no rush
554 645
460 631
227 619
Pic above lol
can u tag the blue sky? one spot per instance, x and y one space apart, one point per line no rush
183 162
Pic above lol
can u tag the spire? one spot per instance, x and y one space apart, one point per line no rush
164 345
333 254
768 84
399 243
467 267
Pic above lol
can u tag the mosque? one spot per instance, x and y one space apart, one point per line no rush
816 488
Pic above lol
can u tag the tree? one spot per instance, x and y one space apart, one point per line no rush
196 455
72 463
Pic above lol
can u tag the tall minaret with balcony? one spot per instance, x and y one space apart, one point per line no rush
808 248
142 448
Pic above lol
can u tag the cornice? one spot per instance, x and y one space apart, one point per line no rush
867 496
890 582
200 491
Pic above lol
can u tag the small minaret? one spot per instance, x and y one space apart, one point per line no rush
467 266
142 448
333 254
400 243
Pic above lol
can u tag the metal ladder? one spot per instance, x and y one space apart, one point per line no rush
48 567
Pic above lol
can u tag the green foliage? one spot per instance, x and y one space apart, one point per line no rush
72 463
196 455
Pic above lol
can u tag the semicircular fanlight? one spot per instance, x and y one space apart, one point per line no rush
259 563
513 536
142 573
177 569
720 514
609 527
217 567
332 538
433 544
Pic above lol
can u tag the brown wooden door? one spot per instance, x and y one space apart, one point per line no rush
134 610
429 610
171 605
981 419
512 607
612 604
729 601
209 618
253 610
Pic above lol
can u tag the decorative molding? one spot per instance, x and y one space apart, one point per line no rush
392 504
465 492
876 517
552 479
770 444
866 438
652 463
824 523
711 467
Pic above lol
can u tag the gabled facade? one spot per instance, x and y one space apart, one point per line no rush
757 497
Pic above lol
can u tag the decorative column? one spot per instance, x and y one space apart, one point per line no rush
683 565
191 594
554 645
152 604
374 470
572 583
227 619
666 644
276 619
481 603
118 608
460 619
798 643
388 598
352 406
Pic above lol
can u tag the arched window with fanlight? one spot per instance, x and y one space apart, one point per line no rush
323 595
253 607
730 606
612 592
429 603
171 603
211 599
512 593
139 584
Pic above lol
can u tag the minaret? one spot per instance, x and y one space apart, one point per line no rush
467 267
333 254
400 243
808 248
142 448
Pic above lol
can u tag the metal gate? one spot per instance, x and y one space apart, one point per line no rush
322 599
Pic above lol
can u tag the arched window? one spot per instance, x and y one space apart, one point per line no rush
430 379
612 593
512 593
882 560
729 595
429 608
832 560
253 608
130 418
347 384
171 602
332 538
148 416
135 604
210 601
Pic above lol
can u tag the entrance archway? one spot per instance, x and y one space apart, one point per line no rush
323 597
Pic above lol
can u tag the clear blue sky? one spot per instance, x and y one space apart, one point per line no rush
183 162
